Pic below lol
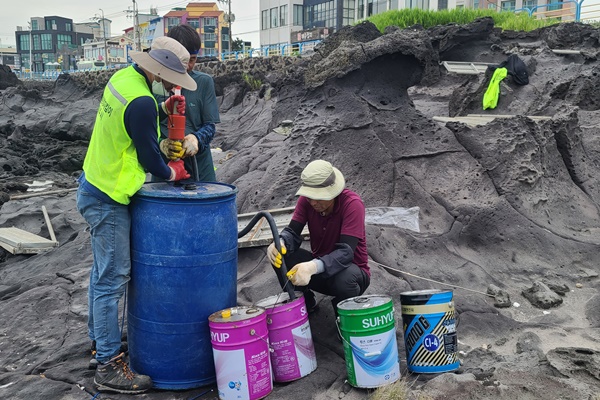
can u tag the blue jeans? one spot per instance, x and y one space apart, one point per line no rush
109 227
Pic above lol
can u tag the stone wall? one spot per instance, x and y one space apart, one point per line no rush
256 66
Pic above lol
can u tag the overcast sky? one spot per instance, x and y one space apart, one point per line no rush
14 13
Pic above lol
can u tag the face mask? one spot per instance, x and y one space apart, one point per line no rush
159 89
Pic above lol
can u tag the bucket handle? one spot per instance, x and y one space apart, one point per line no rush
253 333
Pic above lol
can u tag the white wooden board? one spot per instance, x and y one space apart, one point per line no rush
18 241
482 119
466 68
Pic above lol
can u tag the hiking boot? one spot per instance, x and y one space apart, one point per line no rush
115 376
93 364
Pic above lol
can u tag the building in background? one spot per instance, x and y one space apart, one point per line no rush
278 19
208 21
47 42
8 57
297 21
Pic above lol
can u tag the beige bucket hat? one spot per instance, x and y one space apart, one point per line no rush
167 59
321 181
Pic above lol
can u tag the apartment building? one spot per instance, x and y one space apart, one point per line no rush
49 40
278 19
208 21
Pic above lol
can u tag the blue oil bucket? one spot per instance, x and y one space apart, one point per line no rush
429 323
183 269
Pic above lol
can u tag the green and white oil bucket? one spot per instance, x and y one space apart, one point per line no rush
368 330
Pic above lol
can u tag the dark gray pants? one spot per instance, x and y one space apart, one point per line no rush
350 282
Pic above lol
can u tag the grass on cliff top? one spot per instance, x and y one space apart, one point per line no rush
426 18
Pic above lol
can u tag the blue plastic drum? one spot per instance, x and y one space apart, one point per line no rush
183 269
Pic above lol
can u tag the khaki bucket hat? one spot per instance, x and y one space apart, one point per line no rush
321 181
167 59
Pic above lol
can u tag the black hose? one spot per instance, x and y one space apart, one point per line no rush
282 271
195 169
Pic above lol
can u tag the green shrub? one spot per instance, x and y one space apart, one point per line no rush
506 20
254 83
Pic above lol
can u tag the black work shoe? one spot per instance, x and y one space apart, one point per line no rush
93 364
115 376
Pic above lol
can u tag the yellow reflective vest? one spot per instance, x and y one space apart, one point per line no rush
490 97
111 162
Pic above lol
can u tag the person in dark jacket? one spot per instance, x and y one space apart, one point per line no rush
201 114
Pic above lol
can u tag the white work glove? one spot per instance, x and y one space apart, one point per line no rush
274 256
172 149
301 273
190 145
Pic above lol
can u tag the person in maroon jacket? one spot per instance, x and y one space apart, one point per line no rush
337 263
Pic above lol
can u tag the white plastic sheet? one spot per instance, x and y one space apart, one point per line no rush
400 217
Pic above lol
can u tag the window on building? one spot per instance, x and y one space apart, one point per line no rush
283 15
320 15
264 19
194 23
210 21
46 41
379 6
209 52
491 6
443 5
422 4
209 37
68 27
476 4
63 39
34 25
172 21
37 44
24 42
553 7
529 4
508 5
297 15
348 12
361 9
51 25
273 17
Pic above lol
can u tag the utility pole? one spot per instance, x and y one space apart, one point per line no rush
230 19
136 26
104 37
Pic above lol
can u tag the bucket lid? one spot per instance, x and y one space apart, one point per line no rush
281 298
239 313
191 190
423 292
362 302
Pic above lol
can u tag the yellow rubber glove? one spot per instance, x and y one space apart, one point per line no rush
274 256
172 149
301 273
190 145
